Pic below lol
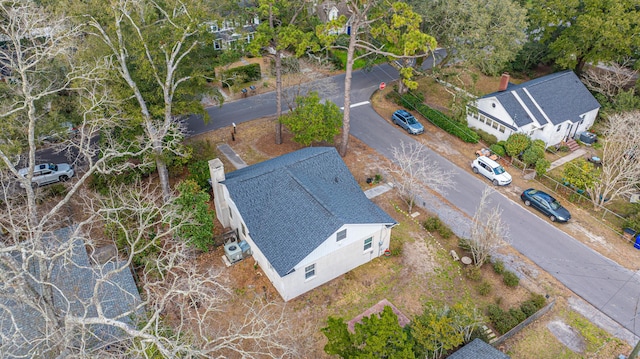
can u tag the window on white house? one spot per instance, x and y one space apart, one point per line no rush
217 44
341 235
310 271
502 129
558 129
368 243
244 230
230 213
494 124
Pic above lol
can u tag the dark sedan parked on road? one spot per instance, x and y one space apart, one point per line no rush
546 204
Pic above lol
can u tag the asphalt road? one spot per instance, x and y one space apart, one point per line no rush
600 281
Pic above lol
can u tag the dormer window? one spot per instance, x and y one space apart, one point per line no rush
333 14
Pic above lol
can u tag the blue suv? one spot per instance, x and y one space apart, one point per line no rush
406 120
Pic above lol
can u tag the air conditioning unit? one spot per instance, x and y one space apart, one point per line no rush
233 251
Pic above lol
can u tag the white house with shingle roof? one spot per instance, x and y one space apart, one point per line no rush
304 216
552 108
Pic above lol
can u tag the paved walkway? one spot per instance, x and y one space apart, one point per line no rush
573 155
232 156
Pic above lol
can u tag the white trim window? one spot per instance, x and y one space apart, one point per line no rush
309 272
368 244
341 235
217 44
559 128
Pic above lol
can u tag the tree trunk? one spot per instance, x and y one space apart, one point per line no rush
278 62
580 65
163 172
347 94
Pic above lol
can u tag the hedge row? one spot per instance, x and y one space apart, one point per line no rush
416 101
241 74
503 321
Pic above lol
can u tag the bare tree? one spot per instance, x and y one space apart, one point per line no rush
413 169
125 32
94 311
620 162
488 230
609 81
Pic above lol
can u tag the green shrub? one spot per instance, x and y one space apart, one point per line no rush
473 273
532 154
484 288
498 266
510 279
542 165
528 308
432 224
241 74
518 315
415 101
498 150
486 137
517 143
199 173
538 300
563 148
502 321
552 149
464 244
445 232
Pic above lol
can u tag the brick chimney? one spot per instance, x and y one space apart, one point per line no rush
216 169
504 81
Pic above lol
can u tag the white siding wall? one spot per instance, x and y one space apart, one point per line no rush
479 121
333 259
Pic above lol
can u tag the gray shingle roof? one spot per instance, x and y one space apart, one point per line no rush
478 349
75 278
561 96
291 204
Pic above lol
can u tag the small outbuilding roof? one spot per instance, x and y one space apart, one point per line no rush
403 320
478 349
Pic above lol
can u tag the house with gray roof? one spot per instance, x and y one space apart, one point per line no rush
304 216
80 286
329 10
553 108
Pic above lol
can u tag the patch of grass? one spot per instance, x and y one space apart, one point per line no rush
599 344
342 56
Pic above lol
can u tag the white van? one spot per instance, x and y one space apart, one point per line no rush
492 170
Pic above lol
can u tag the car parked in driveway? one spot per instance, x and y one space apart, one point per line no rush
546 204
406 120
48 173
492 170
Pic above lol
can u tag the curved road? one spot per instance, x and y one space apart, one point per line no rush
609 287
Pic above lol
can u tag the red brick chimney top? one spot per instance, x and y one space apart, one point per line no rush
504 81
